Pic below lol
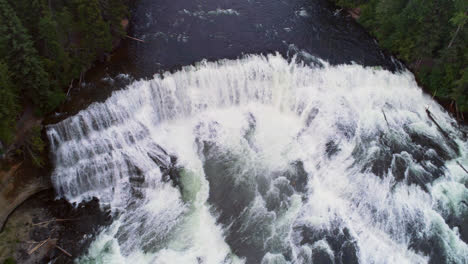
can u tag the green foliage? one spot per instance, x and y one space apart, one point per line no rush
113 11
9 260
35 147
430 36
95 34
8 102
23 61
44 44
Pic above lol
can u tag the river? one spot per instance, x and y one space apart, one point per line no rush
263 132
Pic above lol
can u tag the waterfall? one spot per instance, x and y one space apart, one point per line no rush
265 160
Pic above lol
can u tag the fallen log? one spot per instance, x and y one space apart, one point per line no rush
461 166
135 39
385 117
64 251
55 220
38 246
429 114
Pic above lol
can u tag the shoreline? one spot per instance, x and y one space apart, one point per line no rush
41 224
27 196
447 104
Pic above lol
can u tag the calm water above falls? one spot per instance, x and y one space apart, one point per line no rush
279 158
178 33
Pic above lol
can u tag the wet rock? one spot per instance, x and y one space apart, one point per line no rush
399 166
418 176
297 176
337 240
250 131
35 221
433 143
381 163
331 148
348 253
321 256
311 116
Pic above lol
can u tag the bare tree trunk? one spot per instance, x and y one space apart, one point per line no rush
454 36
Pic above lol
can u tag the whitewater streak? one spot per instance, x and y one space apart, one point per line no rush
261 160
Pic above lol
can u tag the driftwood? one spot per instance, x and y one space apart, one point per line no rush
135 39
385 117
429 114
38 246
64 251
54 220
461 166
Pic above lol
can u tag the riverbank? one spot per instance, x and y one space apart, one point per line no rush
27 197
26 192
23 174
432 49
45 230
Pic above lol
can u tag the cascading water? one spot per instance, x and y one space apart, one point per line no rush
261 160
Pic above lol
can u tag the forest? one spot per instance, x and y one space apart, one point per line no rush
429 36
44 46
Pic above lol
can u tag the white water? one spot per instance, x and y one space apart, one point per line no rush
256 116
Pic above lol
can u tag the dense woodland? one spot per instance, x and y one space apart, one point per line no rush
44 45
430 36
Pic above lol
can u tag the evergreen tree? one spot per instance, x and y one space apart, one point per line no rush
430 36
22 58
8 104
94 31
44 44
114 12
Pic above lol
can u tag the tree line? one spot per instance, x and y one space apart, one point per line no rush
431 37
44 45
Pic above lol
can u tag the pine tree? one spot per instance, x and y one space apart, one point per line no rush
430 36
114 12
8 104
22 58
94 31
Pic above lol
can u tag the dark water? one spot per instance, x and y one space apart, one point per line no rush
183 32
178 33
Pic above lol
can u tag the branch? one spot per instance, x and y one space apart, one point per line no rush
437 124
64 251
461 166
385 118
38 246
454 36
135 39
55 220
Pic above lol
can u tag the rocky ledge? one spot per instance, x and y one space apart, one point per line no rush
45 230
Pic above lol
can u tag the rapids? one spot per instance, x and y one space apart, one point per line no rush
267 160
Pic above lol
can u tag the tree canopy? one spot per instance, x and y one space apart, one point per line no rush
44 44
430 36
